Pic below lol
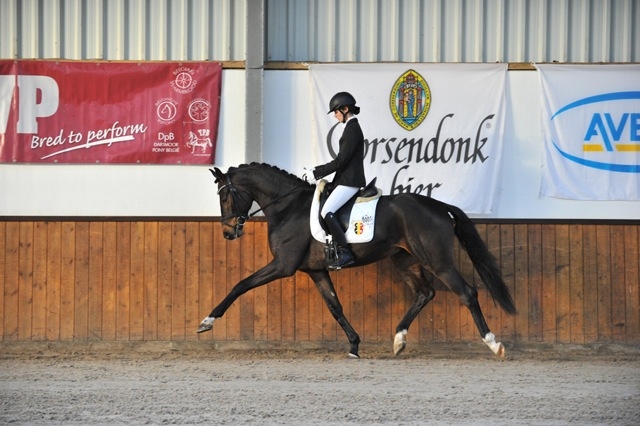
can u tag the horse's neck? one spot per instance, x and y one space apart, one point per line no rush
268 195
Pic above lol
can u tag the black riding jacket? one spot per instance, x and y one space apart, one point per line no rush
348 164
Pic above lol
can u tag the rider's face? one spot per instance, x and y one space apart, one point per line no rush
339 114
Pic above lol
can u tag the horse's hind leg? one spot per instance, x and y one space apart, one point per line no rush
469 297
325 287
413 275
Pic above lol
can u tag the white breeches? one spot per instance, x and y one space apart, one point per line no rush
338 197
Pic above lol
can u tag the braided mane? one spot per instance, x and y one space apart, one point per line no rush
285 174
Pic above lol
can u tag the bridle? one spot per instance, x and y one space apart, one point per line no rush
241 219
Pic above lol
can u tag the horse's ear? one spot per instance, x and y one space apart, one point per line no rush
217 174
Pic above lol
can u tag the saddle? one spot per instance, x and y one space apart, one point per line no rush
356 216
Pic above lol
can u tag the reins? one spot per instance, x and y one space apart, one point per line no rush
276 199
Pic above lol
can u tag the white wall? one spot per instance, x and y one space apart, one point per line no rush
149 190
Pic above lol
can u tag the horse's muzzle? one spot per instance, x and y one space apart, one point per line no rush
232 235
236 229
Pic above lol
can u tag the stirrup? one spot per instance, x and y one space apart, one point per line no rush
338 261
333 266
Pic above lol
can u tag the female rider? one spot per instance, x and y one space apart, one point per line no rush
349 171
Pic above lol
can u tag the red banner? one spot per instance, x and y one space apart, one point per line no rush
104 112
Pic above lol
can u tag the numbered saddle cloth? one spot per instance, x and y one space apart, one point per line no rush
361 219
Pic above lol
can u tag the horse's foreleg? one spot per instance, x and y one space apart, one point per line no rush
327 291
270 272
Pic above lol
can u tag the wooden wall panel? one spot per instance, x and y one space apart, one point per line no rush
150 291
109 281
136 292
123 280
576 284
590 247
156 280
370 304
534 283
11 284
381 300
96 274
67 280
520 283
178 281
288 308
603 265
25 281
549 308
618 284
165 263
39 313
3 275
632 278
81 282
562 283
52 326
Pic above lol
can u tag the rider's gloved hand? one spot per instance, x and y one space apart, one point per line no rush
308 176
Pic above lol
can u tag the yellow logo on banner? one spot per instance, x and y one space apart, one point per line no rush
410 100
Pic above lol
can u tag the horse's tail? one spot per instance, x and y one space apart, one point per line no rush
484 262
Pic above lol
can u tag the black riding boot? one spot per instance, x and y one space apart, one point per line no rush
345 258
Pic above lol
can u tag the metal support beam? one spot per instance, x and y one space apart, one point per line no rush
254 79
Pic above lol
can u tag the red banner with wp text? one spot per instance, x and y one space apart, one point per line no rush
109 112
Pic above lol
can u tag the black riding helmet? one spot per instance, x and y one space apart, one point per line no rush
342 99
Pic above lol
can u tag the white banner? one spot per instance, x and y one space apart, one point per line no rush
591 125
433 129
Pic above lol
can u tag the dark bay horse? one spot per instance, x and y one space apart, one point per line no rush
415 231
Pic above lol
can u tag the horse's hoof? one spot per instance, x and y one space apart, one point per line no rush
205 325
354 356
399 342
397 349
496 347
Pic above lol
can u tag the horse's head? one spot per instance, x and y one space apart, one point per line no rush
234 205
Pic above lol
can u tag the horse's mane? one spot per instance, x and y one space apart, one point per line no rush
264 166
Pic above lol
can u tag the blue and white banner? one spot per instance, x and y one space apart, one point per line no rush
433 129
591 124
